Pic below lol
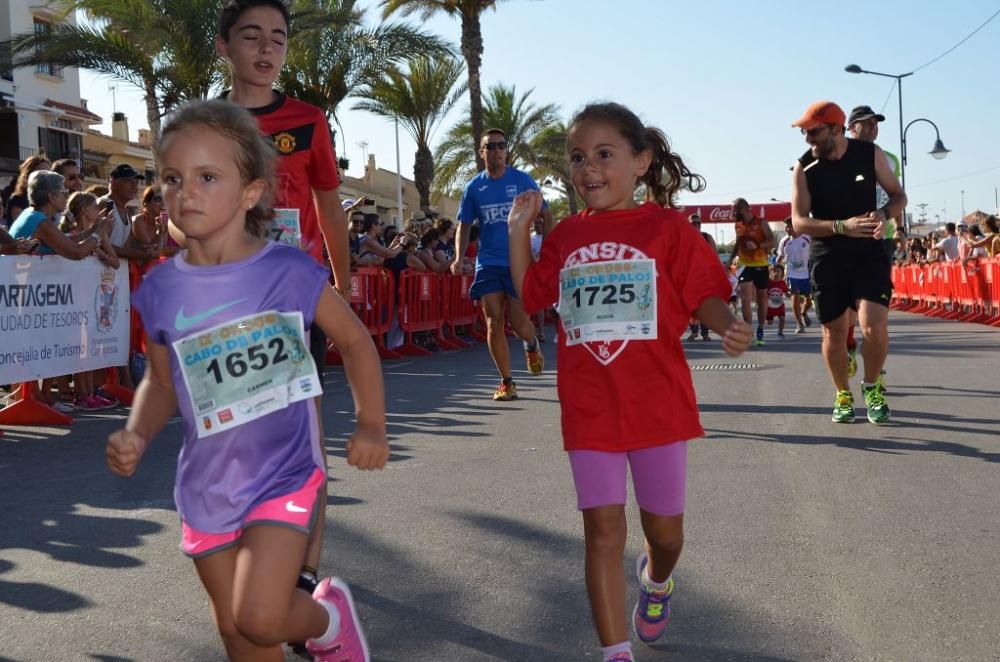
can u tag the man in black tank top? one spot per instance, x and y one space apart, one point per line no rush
833 200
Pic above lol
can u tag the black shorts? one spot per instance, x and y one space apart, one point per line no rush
317 347
841 278
759 276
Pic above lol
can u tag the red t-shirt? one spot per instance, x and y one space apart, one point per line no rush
306 161
630 391
776 291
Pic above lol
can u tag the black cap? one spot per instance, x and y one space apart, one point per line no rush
125 171
862 113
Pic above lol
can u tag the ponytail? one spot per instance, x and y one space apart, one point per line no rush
667 174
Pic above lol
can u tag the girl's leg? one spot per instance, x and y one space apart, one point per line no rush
604 530
664 541
251 588
660 478
217 573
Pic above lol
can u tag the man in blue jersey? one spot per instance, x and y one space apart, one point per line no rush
488 198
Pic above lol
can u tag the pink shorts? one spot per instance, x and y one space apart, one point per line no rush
296 511
658 475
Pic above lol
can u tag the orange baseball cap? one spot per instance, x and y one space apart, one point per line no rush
819 113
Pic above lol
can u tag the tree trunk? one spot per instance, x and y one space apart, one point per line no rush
423 174
152 108
472 51
570 196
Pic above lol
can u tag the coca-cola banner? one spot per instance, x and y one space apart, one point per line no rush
767 211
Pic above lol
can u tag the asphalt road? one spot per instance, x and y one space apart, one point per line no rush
805 540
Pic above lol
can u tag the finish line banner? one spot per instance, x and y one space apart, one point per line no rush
59 316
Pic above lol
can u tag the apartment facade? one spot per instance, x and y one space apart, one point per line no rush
380 184
41 111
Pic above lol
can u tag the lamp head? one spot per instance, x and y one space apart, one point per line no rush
852 69
939 151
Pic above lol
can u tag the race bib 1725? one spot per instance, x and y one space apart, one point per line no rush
607 301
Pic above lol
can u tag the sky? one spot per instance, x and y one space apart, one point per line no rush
725 80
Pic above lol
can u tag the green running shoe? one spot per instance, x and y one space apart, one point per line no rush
843 407
852 362
878 409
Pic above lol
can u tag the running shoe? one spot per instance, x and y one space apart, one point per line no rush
64 407
843 407
852 361
620 657
307 584
652 609
87 403
350 644
878 409
805 317
801 329
760 336
505 392
535 360
693 336
705 337
781 335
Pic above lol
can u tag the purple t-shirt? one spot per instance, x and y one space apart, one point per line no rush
220 478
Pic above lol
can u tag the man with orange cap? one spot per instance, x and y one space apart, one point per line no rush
833 201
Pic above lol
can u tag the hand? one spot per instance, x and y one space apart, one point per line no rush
456 267
737 338
25 245
524 211
123 452
879 217
860 226
367 450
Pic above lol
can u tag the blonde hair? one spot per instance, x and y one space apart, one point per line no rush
255 157
75 206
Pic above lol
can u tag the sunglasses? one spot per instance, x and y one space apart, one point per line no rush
815 131
492 146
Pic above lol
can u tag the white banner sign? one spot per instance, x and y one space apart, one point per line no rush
59 316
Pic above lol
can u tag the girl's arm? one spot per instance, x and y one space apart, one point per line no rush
367 447
716 315
62 245
154 403
522 215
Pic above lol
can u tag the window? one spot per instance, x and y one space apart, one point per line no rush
43 28
6 62
59 145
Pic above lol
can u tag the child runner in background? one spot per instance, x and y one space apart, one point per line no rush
227 318
777 290
85 215
627 278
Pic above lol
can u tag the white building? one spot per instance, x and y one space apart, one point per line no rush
40 107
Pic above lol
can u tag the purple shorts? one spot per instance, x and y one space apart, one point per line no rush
658 475
295 511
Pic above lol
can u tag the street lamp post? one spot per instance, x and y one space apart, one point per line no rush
938 152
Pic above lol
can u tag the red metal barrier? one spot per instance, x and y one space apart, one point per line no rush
373 300
420 309
967 292
464 313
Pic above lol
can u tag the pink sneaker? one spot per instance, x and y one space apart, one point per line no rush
87 403
350 644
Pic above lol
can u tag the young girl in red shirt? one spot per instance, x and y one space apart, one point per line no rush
627 277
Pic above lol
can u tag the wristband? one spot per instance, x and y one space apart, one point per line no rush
838 227
342 291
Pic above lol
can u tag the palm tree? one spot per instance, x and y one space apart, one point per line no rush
546 154
469 12
332 54
519 119
164 47
419 98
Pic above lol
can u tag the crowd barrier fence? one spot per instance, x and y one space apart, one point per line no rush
966 292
